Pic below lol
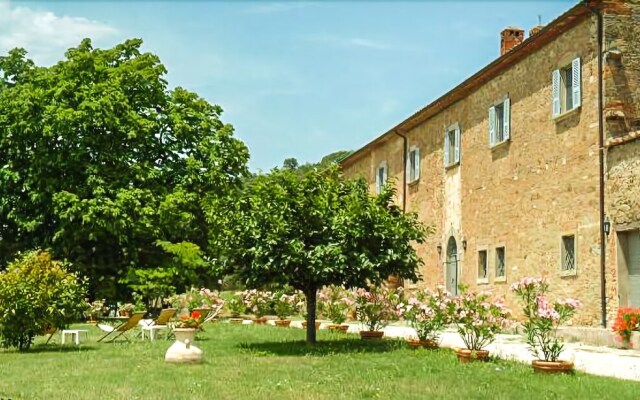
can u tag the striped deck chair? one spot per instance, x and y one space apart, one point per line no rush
123 328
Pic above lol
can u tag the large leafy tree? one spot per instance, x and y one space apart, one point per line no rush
316 229
104 164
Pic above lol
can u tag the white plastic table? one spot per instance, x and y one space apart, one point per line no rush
152 330
75 335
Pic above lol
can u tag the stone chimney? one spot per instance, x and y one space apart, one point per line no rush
510 37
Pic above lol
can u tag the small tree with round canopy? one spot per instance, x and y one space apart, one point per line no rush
314 230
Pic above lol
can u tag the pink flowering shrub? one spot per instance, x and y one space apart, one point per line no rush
258 301
334 304
543 317
285 304
375 307
478 317
426 312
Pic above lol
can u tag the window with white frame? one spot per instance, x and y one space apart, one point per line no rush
499 122
452 145
413 164
500 263
568 253
566 88
483 266
381 176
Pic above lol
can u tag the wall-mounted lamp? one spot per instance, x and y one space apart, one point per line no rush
464 244
439 247
606 226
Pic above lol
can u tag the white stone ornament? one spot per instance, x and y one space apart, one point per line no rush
182 351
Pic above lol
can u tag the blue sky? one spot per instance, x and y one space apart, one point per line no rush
296 79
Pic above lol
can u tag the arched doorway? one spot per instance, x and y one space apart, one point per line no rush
451 266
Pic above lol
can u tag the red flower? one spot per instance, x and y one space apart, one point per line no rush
195 314
627 321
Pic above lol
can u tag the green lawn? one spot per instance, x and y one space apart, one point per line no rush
265 362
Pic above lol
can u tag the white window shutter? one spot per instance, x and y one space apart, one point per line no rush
555 92
576 72
417 164
457 148
407 167
506 118
446 148
378 185
492 126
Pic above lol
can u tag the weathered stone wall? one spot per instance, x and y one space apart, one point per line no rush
524 194
622 66
623 184
622 116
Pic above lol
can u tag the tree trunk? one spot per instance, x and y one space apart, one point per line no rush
311 315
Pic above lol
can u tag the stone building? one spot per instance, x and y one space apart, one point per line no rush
531 167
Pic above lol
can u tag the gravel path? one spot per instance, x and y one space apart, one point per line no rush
605 361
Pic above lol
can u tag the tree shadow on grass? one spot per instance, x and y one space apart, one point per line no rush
54 348
321 348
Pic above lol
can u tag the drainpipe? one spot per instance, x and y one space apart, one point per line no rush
603 238
404 170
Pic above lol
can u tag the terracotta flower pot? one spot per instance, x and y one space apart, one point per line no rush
552 367
283 323
371 335
338 328
427 343
260 320
467 356
304 324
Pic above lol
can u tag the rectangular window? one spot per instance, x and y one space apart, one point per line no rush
452 146
499 122
500 262
568 253
566 88
483 268
413 165
381 176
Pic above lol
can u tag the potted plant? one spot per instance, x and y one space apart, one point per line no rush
374 309
259 302
97 309
626 323
478 319
284 305
236 306
334 305
125 310
427 314
542 319
186 325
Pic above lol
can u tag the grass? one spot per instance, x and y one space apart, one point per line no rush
264 362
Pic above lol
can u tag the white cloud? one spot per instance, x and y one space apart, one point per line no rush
350 42
43 34
359 42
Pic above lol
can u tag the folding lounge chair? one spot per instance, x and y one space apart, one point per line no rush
213 313
207 314
50 331
121 329
159 323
